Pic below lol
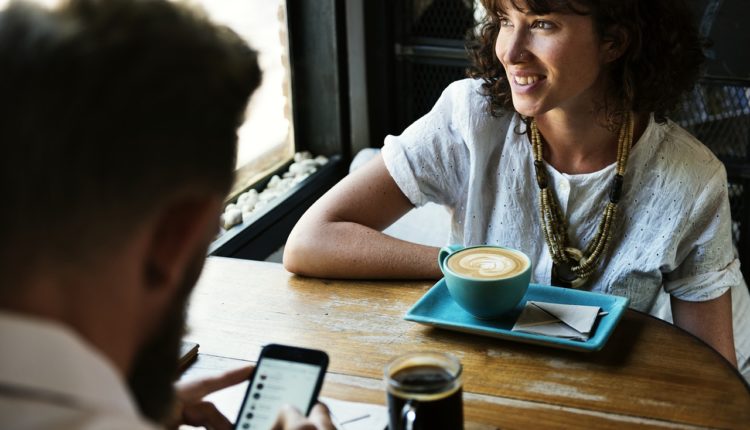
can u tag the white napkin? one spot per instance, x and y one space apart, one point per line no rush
558 320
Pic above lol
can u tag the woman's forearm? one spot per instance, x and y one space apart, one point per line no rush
350 250
711 321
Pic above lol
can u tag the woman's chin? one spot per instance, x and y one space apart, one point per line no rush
529 108
524 106
526 110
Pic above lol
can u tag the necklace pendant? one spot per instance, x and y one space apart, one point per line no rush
563 273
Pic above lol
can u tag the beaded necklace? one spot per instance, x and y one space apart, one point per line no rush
571 266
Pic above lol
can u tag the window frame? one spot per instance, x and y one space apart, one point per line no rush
321 124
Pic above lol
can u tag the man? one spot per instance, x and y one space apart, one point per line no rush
118 127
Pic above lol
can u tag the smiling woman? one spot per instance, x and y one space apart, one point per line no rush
559 147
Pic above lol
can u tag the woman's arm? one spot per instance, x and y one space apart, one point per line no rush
711 321
340 235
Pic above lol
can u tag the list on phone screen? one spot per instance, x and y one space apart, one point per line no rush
276 383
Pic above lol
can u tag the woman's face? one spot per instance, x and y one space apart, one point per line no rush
553 62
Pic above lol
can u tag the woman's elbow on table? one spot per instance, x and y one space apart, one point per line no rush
298 254
311 249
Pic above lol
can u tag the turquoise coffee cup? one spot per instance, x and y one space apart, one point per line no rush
487 281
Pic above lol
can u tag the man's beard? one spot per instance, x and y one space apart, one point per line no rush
155 367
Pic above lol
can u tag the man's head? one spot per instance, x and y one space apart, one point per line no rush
118 127
108 108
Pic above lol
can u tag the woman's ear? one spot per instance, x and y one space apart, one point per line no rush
615 42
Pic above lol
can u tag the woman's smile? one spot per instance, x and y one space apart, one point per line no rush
525 82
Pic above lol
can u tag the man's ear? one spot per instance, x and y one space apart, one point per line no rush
182 229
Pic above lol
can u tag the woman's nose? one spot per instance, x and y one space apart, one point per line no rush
512 47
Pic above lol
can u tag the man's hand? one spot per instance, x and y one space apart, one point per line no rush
291 419
194 411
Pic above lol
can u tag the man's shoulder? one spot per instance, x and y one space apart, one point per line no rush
29 414
69 380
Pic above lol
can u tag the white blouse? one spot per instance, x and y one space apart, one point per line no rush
672 234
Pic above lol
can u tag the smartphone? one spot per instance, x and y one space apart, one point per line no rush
283 375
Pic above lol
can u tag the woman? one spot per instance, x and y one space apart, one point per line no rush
561 150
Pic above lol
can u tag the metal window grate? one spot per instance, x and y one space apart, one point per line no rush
430 81
438 19
718 114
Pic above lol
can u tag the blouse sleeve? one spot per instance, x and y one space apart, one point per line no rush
427 159
709 266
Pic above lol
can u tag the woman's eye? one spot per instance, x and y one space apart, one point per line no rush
543 25
505 22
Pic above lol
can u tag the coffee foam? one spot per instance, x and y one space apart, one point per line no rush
487 263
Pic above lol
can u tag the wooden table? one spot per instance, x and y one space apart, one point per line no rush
649 375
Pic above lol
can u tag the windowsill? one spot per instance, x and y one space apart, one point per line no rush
262 233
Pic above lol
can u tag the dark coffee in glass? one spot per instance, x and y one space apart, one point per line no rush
424 392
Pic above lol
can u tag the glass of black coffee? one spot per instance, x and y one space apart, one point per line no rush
424 392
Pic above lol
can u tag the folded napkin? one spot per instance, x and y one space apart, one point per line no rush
558 320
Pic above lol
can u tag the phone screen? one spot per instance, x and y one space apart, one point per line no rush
277 382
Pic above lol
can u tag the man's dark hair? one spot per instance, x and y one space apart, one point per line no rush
109 107
661 62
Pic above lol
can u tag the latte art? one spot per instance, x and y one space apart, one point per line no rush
487 263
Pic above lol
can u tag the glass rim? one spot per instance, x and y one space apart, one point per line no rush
401 362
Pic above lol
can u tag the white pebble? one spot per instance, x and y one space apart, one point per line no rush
252 198
285 184
242 198
229 207
305 155
273 182
268 195
247 208
300 178
308 163
231 218
303 167
321 160
295 169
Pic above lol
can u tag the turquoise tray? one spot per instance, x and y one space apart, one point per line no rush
437 308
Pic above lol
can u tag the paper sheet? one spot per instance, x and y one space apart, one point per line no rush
346 415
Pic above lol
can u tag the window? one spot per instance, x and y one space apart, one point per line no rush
266 138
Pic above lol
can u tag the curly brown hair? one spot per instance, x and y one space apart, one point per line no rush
662 60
